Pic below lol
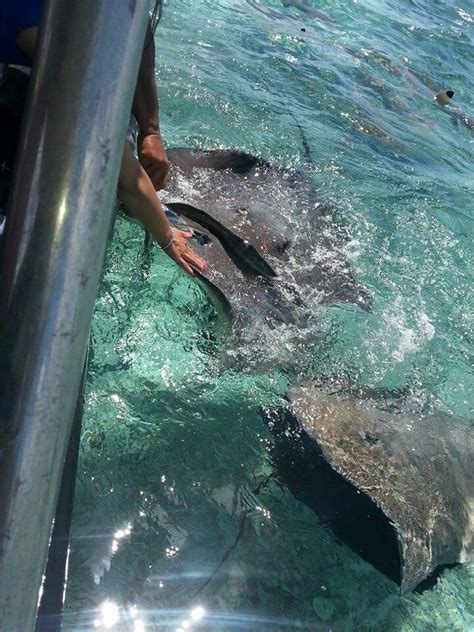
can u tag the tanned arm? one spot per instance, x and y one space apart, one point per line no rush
137 194
151 152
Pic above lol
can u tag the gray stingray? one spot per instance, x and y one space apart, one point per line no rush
268 240
398 488
395 487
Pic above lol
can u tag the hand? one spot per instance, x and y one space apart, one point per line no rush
182 253
153 158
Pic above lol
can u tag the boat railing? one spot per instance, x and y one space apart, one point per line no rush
58 219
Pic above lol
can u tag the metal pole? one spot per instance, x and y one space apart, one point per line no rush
50 611
58 219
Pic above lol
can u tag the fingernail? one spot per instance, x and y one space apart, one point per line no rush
189 233
204 266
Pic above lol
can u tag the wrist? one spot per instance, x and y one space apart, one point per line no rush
149 131
166 243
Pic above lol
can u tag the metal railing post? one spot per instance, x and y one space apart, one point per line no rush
58 220
49 617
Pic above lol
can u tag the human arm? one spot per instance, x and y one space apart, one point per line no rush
137 194
151 152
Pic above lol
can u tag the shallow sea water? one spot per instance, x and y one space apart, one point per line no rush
180 522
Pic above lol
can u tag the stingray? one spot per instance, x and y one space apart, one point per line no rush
268 239
395 487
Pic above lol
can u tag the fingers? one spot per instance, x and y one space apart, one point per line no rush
186 267
157 172
185 250
159 181
190 257
154 160
182 253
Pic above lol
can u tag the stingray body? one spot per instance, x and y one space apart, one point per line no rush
268 240
397 488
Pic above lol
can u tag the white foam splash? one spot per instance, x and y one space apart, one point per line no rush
406 333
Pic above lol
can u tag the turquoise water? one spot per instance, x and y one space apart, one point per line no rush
180 523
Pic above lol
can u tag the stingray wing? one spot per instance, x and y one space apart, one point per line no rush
397 488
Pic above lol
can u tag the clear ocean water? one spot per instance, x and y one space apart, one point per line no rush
180 522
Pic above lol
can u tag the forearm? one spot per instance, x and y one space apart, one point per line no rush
137 194
150 147
145 100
